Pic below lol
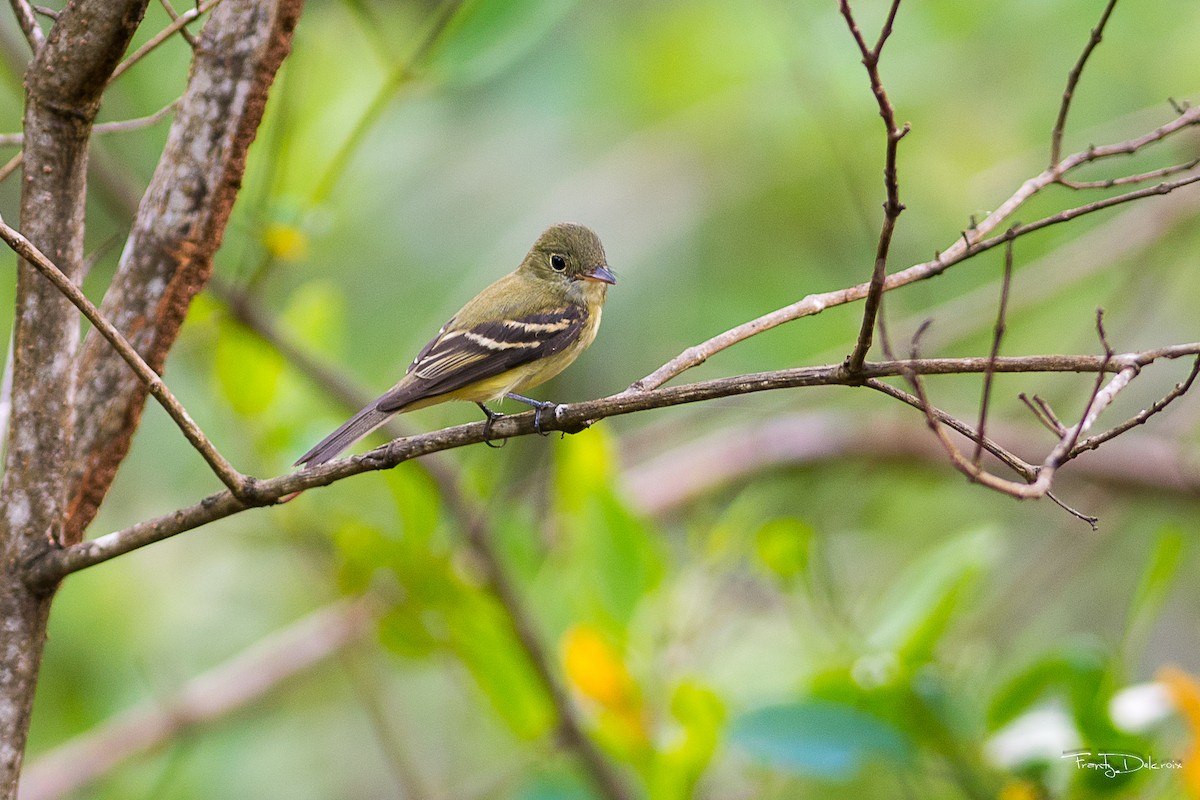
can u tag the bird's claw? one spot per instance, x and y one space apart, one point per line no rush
492 416
539 406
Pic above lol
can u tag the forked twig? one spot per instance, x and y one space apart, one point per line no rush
174 15
177 25
892 207
1060 124
1180 389
27 19
1044 414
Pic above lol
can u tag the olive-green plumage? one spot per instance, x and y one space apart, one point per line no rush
516 334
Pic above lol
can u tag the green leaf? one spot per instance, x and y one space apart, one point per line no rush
613 556
819 739
403 631
417 502
315 314
247 369
1074 672
362 549
678 767
1152 589
486 36
922 601
783 546
480 635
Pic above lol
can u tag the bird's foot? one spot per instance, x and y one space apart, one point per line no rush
539 405
492 416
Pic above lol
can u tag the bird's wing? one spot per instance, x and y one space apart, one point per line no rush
459 357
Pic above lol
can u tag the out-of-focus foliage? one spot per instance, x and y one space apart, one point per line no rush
846 626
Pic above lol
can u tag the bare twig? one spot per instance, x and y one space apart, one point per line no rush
239 484
892 207
1102 395
244 679
52 566
1180 389
1017 464
118 126
186 18
997 337
184 32
660 481
27 19
1044 414
970 244
1141 177
11 166
1064 108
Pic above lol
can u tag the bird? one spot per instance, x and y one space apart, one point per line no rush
516 334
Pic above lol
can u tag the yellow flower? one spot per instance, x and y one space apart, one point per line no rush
285 242
597 672
1185 694
1019 790
594 668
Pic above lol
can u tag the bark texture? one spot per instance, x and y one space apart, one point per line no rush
179 226
63 87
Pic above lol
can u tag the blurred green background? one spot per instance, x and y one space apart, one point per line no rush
842 615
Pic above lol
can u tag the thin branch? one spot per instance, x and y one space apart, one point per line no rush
244 679
1076 72
1127 180
27 19
177 25
118 126
997 337
967 246
660 480
1016 463
892 207
11 166
1092 442
1044 414
184 32
52 566
237 483
1098 401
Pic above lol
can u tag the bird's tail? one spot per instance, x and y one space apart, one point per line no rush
357 427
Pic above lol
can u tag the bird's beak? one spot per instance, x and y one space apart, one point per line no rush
600 273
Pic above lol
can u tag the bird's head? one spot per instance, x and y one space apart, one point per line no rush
571 257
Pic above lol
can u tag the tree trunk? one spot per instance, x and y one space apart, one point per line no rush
61 457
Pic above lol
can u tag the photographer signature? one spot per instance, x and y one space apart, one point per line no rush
1112 764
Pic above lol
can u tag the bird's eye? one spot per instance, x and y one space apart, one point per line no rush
558 263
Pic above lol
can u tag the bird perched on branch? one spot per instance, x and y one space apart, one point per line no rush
516 334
